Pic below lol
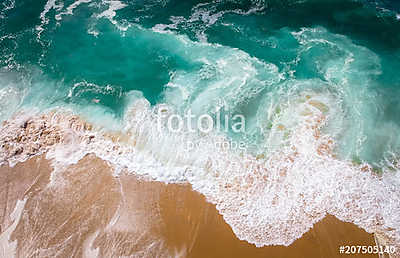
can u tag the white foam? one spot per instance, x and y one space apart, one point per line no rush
88 251
50 4
10 99
8 5
267 201
11 94
70 9
110 13
92 31
175 22
207 14
8 248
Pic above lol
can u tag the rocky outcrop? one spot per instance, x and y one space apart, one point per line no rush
22 138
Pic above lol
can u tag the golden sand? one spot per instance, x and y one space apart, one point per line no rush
84 211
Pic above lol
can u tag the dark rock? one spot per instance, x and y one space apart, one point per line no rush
18 151
25 125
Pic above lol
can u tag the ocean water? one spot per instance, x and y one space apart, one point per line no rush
317 83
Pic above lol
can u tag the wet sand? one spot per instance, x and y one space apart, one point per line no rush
83 211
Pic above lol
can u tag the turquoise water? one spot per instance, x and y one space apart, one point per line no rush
256 58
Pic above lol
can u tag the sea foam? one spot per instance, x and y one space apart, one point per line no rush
269 200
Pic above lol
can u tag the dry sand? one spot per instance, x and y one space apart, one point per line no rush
84 211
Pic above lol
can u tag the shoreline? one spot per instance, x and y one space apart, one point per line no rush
85 206
262 206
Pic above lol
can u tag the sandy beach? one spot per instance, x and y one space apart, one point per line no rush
84 211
